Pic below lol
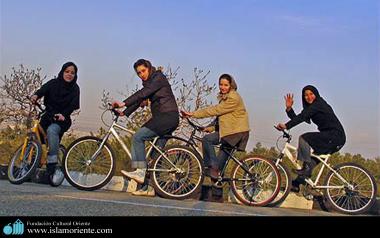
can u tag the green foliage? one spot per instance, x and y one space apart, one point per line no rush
10 140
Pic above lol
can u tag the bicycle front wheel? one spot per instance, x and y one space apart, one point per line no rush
286 184
86 165
179 175
356 197
256 181
24 164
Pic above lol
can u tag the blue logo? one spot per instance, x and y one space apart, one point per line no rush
16 229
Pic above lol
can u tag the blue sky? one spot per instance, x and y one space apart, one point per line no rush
272 47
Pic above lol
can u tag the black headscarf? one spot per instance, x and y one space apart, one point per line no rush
314 90
60 75
317 97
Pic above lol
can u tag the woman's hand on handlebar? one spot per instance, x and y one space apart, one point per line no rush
33 98
281 127
120 113
208 129
114 105
59 117
117 104
186 114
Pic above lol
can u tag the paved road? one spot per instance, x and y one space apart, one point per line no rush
30 199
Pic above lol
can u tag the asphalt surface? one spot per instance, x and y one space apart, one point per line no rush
30 199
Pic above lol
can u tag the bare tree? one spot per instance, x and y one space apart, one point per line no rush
15 90
195 94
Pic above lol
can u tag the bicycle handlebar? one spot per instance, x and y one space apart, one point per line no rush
192 124
285 133
115 112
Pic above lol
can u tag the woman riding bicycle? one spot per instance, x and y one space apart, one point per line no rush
231 126
61 98
165 116
330 139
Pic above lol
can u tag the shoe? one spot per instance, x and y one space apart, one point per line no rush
296 184
50 168
57 177
306 170
149 192
138 175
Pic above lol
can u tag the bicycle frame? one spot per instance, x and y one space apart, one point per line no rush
34 133
322 158
112 131
233 158
192 142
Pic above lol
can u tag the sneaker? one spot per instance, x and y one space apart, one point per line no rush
149 192
138 175
296 184
57 177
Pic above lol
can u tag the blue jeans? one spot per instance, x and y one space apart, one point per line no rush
138 146
53 140
209 157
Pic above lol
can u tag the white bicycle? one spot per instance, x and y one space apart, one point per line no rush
176 171
348 187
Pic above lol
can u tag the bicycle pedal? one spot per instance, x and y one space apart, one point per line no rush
218 184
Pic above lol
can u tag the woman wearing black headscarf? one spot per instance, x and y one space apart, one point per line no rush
61 98
330 138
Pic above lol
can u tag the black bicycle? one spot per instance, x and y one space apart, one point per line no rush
254 181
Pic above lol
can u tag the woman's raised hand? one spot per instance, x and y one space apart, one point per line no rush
289 101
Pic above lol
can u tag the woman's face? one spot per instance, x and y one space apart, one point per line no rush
309 96
69 74
142 72
224 86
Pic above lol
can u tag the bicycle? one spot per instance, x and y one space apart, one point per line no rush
348 187
89 163
251 179
32 153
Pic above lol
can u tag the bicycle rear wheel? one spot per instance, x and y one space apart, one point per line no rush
355 200
23 166
57 178
179 177
84 172
256 182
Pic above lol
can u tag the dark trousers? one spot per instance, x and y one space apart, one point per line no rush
304 150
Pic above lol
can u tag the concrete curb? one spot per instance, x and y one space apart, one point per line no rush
292 201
